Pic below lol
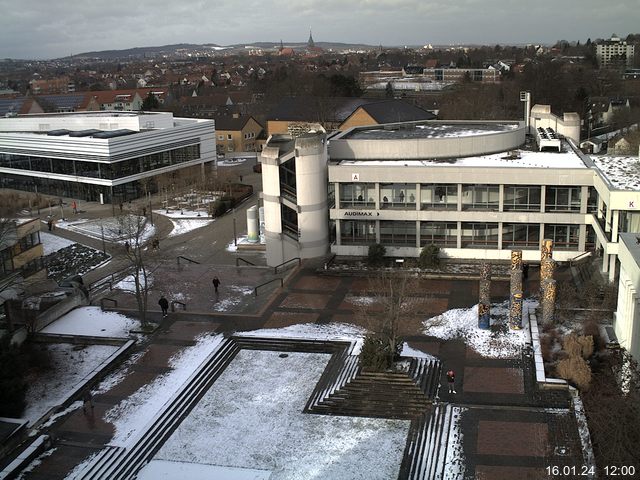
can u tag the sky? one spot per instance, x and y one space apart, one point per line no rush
44 29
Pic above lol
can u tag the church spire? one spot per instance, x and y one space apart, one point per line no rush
310 43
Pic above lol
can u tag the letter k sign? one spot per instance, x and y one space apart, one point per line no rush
632 204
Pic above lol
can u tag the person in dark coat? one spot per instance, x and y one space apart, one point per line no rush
451 379
164 305
216 283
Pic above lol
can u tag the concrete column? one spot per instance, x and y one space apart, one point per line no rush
338 232
377 196
582 238
584 196
377 231
459 239
600 206
612 267
252 224
543 200
501 200
261 224
499 235
541 236
336 193
605 263
418 197
615 220
607 223
418 235
459 197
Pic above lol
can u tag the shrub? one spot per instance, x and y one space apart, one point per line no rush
592 329
575 370
376 255
578 346
429 256
377 354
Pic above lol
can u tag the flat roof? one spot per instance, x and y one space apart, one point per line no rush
429 130
623 172
632 242
522 159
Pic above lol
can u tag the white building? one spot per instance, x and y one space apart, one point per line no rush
100 156
615 52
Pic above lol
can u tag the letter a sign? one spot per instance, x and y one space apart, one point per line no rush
355 177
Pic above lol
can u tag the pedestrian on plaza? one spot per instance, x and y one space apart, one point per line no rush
74 207
127 246
144 211
155 244
525 271
87 399
50 224
216 284
120 207
164 305
451 379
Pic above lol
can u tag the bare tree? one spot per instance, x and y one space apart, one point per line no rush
398 299
132 230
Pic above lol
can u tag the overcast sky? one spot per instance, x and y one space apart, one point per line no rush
52 29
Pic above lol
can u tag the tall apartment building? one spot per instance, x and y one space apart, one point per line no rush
615 52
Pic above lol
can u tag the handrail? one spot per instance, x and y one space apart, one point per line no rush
330 261
238 259
275 269
187 259
579 257
255 290
176 302
102 300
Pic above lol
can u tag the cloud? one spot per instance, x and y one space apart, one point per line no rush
46 29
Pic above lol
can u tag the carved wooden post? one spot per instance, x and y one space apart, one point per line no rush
515 297
515 311
546 251
484 301
548 301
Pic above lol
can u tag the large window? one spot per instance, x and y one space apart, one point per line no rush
398 195
480 197
439 196
479 235
357 195
288 178
562 199
357 232
521 198
289 221
520 235
565 237
398 233
442 234
592 201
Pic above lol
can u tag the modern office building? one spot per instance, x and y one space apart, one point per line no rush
100 156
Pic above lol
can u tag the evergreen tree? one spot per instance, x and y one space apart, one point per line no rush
150 103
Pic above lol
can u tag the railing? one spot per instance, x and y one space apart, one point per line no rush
579 257
255 290
187 259
110 280
240 259
106 299
330 261
176 302
298 259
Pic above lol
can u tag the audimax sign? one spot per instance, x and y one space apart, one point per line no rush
358 213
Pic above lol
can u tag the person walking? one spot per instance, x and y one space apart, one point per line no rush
87 399
451 379
74 206
216 284
164 305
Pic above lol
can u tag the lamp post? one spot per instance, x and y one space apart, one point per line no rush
235 237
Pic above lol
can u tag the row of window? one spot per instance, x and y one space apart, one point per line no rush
25 243
107 171
445 234
403 196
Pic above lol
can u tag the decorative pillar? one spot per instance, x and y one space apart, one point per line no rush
484 303
515 297
546 250
515 311
548 301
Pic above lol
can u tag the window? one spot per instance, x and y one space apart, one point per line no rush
592 201
398 195
439 197
288 179
229 136
442 234
289 221
520 235
220 137
522 198
562 199
480 197
357 195
398 233
357 232
565 237
479 235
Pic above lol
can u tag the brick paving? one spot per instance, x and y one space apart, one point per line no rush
506 429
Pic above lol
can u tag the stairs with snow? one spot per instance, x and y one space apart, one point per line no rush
432 447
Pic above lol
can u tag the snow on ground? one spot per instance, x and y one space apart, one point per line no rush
70 365
132 414
455 467
252 418
35 463
52 243
187 225
463 323
232 162
408 351
165 470
182 213
128 284
241 240
313 331
111 228
92 321
233 296
118 376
